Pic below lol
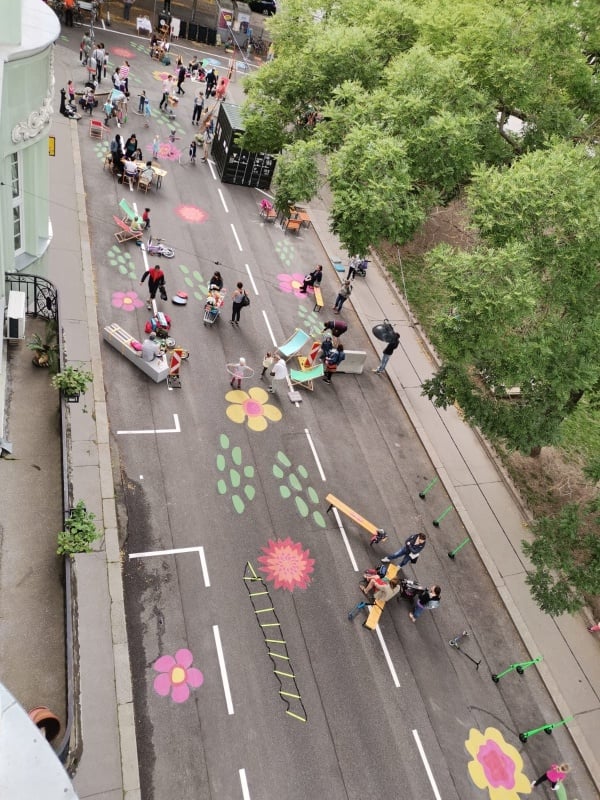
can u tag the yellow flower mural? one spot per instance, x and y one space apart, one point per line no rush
251 406
496 766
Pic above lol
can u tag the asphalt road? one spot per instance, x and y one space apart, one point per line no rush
385 713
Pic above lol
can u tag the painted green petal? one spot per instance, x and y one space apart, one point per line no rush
238 504
236 456
224 441
283 459
294 482
303 471
189 282
221 487
197 276
318 518
284 492
184 269
312 495
250 492
234 477
249 471
123 270
301 506
221 462
277 471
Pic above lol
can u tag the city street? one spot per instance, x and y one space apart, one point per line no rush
212 496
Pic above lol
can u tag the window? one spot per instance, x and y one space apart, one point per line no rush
17 202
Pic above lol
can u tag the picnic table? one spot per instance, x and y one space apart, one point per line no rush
158 171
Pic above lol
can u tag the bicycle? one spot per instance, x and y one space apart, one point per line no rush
155 247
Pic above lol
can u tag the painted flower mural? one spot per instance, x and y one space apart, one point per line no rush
122 52
291 284
287 564
166 150
496 766
191 214
251 407
126 301
176 676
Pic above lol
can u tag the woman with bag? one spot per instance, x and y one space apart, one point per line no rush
240 299
343 295
332 362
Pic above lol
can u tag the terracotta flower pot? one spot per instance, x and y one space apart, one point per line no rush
46 721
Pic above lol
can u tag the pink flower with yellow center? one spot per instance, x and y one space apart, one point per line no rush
176 676
287 564
496 766
160 75
191 214
251 407
291 284
166 150
126 301
122 52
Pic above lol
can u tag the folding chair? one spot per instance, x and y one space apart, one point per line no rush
294 344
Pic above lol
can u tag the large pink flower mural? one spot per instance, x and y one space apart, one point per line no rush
176 676
122 52
291 284
287 564
126 301
166 150
190 213
496 766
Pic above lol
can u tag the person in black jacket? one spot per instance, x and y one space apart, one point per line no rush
332 362
313 278
180 79
156 280
211 82
411 550
428 598
385 356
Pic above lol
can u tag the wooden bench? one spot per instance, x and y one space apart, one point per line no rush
291 225
306 377
376 609
377 534
268 214
158 369
318 298
124 234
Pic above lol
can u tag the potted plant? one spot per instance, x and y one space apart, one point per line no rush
45 348
79 532
72 382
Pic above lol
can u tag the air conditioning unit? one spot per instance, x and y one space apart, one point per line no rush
15 315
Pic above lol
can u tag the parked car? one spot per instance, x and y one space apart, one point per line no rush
267 7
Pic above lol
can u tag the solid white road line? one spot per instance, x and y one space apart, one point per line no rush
434 787
314 452
176 429
270 329
244 783
223 201
177 551
233 230
338 519
388 658
251 277
204 567
224 677
212 170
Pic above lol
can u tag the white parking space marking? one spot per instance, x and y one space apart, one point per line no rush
178 551
251 277
212 170
434 787
388 658
176 429
314 452
338 519
236 237
224 677
223 201
270 329
244 783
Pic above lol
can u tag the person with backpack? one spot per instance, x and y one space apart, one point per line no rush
428 598
343 295
156 281
332 362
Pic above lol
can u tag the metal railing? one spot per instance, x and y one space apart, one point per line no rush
41 295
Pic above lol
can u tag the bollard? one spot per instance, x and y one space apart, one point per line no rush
436 522
520 668
546 728
429 486
452 553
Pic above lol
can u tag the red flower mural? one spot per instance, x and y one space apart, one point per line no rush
287 564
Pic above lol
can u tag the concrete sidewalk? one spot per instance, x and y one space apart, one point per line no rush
486 501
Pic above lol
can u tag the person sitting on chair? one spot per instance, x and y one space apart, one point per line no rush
147 173
313 278
130 169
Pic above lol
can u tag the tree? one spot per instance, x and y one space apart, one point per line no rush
565 554
525 304
296 175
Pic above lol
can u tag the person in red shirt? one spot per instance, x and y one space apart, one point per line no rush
69 8
156 281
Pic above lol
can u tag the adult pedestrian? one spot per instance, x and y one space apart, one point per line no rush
124 72
240 299
279 371
151 349
180 79
410 551
428 598
343 294
69 9
85 48
166 90
312 278
211 82
127 9
388 351
337 327
556 774
353 262
207 138
333 361
156 281
198 107
98 54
